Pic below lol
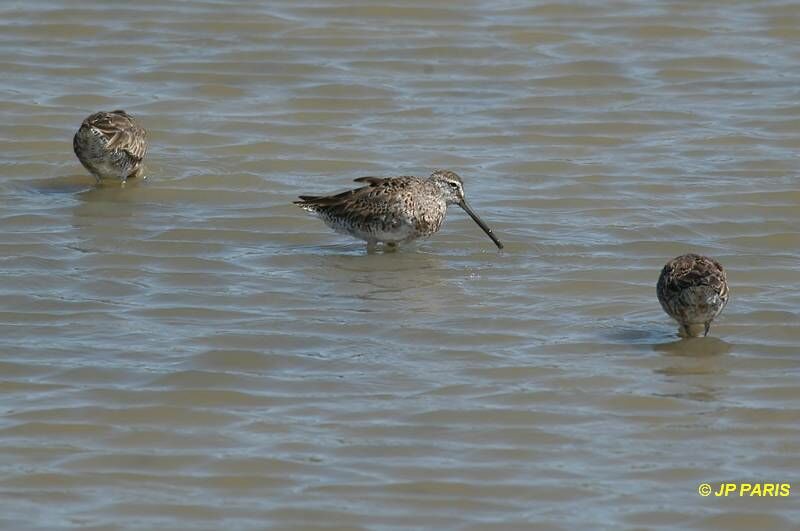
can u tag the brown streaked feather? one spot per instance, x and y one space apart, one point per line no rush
385 206
693 290
379 191
111 145
323 200
328 200
694 270
121 132
373 181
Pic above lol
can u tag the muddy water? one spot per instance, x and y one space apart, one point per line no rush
194 352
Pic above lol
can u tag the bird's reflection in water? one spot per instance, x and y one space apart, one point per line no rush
697 365
695 347
419 285
103 203
109 216
393 275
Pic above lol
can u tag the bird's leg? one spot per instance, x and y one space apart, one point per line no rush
372 246
708 326
391 246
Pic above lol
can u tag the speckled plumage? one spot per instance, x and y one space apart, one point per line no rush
393 210
111 145
693 290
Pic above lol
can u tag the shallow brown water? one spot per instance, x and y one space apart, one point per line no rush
194 352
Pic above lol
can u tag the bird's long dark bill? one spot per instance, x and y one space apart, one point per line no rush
481 224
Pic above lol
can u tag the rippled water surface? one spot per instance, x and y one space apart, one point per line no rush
194 352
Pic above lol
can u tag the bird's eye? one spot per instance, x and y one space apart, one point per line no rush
454 186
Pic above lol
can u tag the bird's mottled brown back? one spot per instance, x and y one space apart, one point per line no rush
692 289
121 131
384 206
110 144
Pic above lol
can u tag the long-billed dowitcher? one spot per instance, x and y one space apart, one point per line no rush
693 290
111 145
394 210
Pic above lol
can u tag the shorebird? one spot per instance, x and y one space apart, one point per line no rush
394 210
111 145
693 290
